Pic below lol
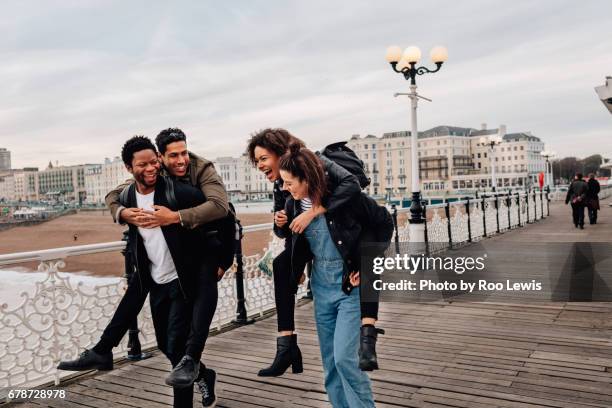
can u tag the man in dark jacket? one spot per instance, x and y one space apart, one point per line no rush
188 169
577 194
167 259
593 198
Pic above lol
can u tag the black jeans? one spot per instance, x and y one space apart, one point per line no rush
171 314
578 213
592 215
284 296
127 311
204 306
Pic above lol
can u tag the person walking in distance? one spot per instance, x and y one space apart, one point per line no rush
593 198
577 195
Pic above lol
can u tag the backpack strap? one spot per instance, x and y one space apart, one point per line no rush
169 190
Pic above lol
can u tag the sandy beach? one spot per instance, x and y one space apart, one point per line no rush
92 227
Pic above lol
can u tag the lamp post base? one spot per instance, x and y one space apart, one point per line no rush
416 210
416 228
416 233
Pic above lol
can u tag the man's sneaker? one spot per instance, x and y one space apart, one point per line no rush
88 360
206 384
185 373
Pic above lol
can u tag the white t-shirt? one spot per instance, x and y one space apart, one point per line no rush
162 265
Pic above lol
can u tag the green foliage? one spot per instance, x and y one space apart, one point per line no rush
564 169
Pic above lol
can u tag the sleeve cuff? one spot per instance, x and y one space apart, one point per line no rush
181 219
118 215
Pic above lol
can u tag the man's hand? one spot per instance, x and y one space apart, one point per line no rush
280 218
355 279
160 217
220 273
134 216
302 278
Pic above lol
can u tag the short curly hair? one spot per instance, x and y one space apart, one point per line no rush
275 140
133 145
167 136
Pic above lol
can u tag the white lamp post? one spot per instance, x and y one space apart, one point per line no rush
547 155
405 64
493 141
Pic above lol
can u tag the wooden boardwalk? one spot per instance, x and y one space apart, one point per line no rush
475 355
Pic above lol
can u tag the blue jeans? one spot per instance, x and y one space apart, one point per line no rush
338 318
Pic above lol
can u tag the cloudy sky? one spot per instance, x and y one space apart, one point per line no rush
80 77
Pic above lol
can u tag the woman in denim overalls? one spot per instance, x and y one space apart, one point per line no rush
337 311
338 318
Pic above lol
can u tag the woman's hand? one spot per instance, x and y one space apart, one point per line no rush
299 224
355 279
280 218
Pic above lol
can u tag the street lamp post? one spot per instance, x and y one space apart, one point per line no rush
492 142
547 155
405 64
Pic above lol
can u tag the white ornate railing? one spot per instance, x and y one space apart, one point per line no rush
453 223
59 318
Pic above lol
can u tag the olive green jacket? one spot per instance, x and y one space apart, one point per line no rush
201 174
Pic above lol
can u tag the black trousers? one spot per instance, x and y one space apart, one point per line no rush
578 213
592 214
204 306
171 314
127 311
284 295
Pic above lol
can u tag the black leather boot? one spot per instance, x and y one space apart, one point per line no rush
88 360
367 348
287 354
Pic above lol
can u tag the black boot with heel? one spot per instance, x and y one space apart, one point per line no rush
287 354
367 347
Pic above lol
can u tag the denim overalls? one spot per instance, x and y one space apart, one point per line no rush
338 318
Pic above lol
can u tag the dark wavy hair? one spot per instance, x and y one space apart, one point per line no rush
306 166
275 140
133 145
167 136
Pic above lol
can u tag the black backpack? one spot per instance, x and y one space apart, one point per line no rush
344 156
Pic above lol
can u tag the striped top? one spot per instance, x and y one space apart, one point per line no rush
305 204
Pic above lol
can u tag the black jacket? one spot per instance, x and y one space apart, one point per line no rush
187 247
342 185
578 188
594 189
359 221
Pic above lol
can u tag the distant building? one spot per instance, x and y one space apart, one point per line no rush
14 185
5 159
450 159
242 180
58 183
102 178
